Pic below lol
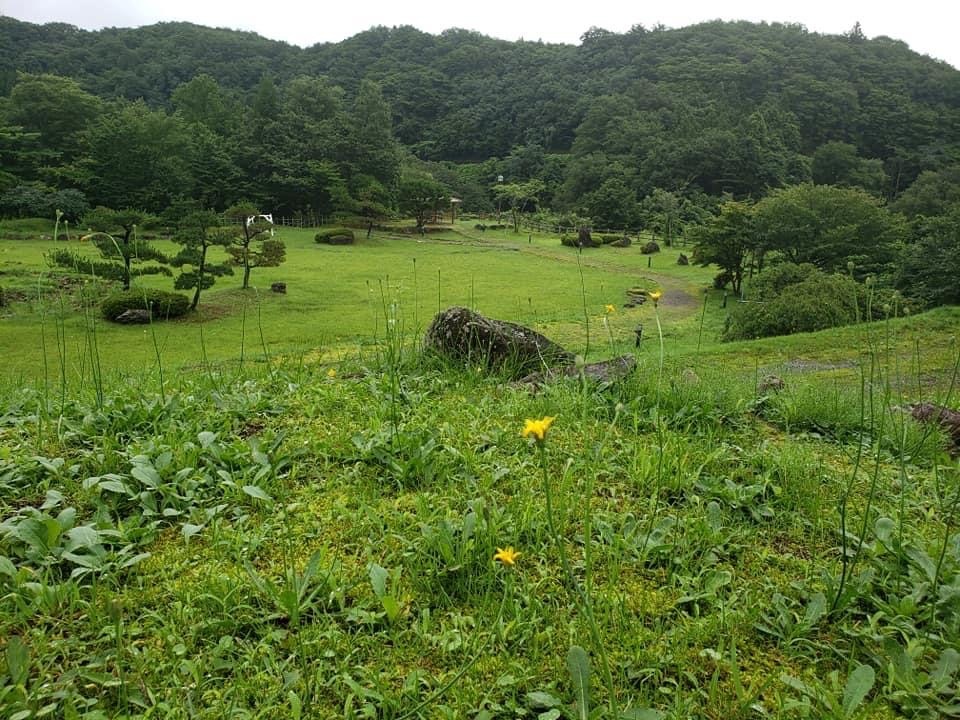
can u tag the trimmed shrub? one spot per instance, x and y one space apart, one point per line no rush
334 236
789 298
163 305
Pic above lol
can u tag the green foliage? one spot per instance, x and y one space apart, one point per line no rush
334 236
162 305
789 298
420 195
933 193
136 157
519 198
251 240
929 266
56 108
727 241
612 205
837 163
197 231
202 100
830 227
117 238
38 200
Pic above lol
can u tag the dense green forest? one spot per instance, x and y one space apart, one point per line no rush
654 128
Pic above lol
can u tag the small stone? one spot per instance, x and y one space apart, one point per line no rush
133 317
771 383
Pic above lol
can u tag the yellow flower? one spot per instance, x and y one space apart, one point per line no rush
610 309
537 428
655 295
507 555
332 373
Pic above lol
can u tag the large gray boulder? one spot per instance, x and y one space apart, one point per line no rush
464 335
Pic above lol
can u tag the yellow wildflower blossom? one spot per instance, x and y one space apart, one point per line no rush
332 373
610 309
507 555
655 295
537 428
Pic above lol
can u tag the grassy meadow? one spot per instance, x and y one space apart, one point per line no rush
336 298
281 507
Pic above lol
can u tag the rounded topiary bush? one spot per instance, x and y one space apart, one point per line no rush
335 236
650 248
160 304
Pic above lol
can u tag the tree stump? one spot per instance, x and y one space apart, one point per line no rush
464 335
584 238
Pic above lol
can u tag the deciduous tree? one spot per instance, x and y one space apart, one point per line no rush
830 227
420 195
727 240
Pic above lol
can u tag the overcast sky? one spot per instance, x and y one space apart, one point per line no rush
927 26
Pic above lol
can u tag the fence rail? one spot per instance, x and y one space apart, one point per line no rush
572 230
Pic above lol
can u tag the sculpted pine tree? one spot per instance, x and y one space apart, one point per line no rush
196 233
115 235
252 244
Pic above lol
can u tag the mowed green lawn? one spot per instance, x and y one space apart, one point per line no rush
340 297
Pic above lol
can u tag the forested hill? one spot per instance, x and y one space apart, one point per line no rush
460 95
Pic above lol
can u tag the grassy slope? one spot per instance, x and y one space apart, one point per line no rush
712 513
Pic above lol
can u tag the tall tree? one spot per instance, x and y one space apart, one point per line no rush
372 148
55 107
202 100
420 195
727 241
518 197
137 157
830 227
930 265
838 163
932 193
